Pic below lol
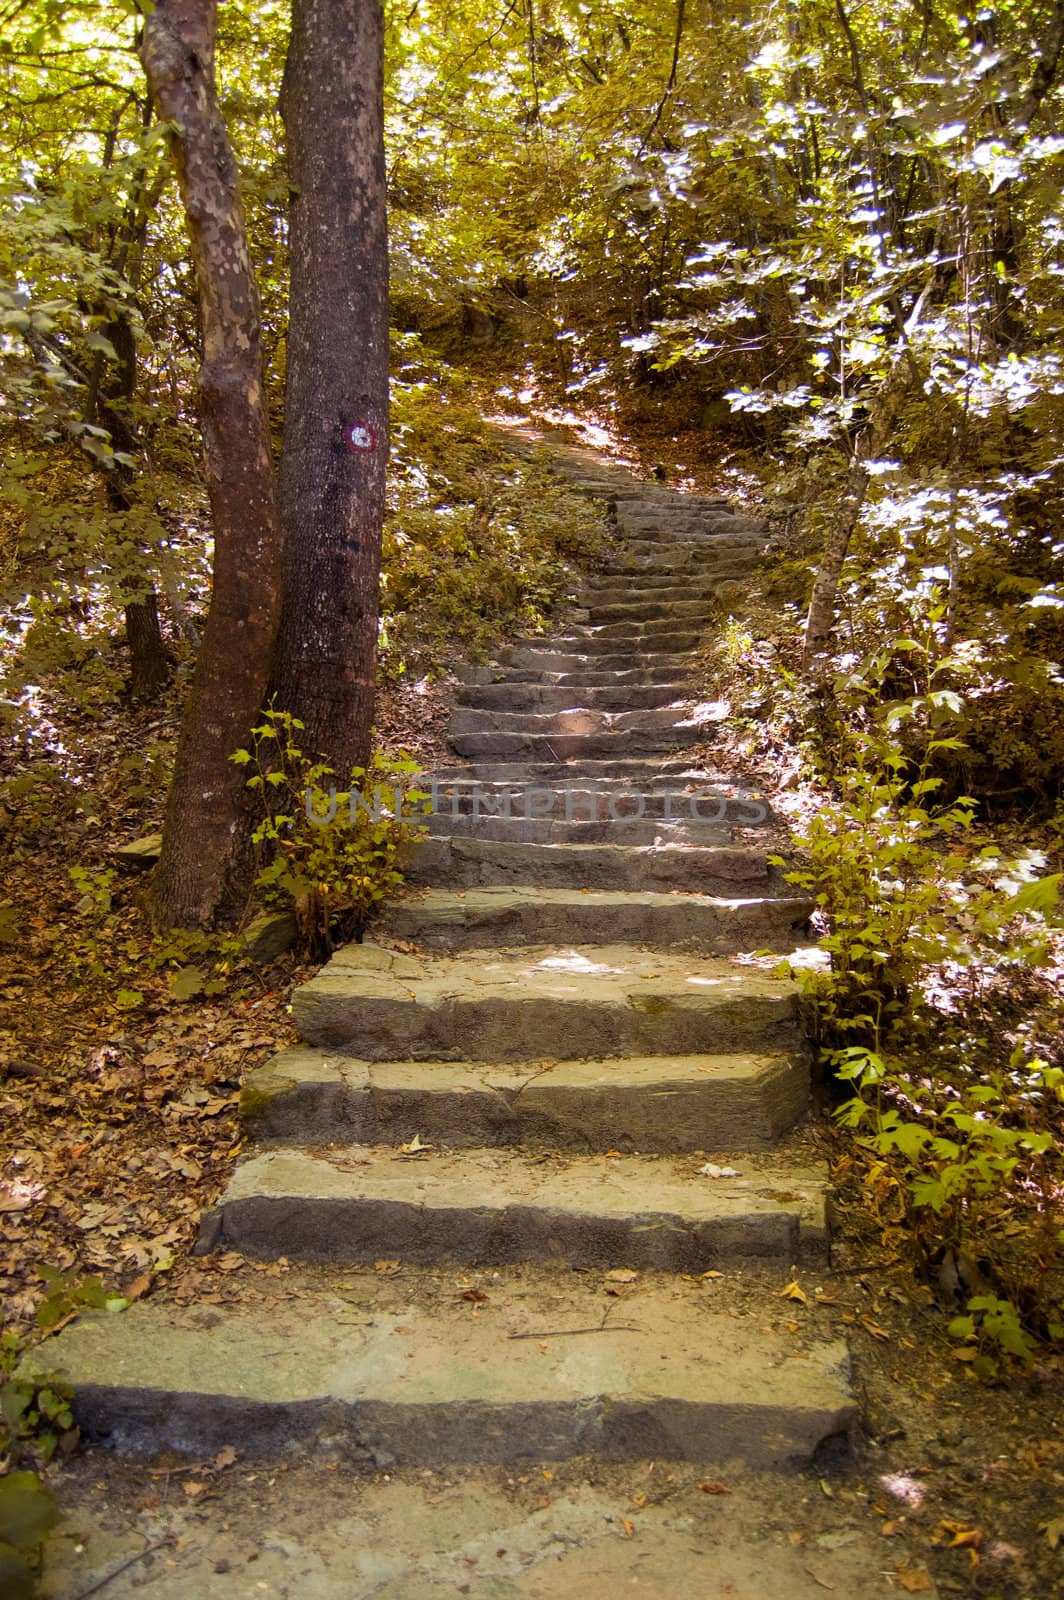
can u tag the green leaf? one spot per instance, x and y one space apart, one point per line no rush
27 1510
187 982
16 1574
129 999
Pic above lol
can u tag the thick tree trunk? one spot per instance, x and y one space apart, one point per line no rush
203 831
335 445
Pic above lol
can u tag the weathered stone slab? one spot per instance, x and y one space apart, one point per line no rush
488 1005
445 920
494 1207
470 863
650 1104
270 934
412 1387
140 855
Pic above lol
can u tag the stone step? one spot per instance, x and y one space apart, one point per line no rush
607 697
649 1104
643 816
680 523
516 1005
419 1380
472 863
668 559
613 593
518 829
499 1207
644 611
646 770
547 664
710 803
617 640
444 919
637 632
581 720
607 587
573 746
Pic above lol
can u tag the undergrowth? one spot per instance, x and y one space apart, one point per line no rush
936 1005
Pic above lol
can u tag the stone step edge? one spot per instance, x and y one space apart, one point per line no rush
501 1208
654 1105
411 1389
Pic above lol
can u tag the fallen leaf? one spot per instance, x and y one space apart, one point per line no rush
914 1580
415 1147
712 1274
639 1500
225 1458
875 1330
794 1291
711 1486
387 1269
192 1488
621 1275
472 1294
963 1533
1054 1531
629 1527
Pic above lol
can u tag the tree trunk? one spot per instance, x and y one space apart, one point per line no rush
149 664
203 835
335 445
886 405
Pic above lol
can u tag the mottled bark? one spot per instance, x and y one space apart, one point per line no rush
203 830
335 443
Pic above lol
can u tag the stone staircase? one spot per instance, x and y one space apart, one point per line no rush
553 1026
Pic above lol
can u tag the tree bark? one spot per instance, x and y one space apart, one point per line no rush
335 443
203 835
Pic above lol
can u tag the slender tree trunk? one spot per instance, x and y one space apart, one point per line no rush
203 834
149 664
820 619
335 446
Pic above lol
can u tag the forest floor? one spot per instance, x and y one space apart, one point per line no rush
118 1100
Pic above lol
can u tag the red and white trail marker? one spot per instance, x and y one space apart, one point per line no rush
360 436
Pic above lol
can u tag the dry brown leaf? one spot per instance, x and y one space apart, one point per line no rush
1054 1531
225 1458
711 1486
794 1291
621 1275
914 1580
629 1527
